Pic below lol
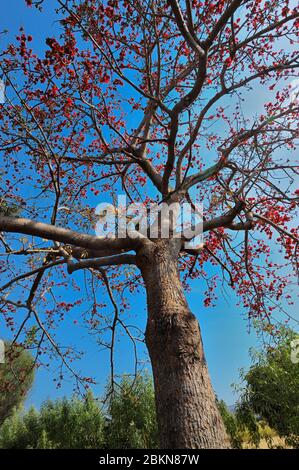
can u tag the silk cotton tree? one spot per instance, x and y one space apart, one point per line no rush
164 101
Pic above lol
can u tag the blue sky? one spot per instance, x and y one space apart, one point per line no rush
224 327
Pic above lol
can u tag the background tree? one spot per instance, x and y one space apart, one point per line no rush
271 390
16 378
132 416
150 99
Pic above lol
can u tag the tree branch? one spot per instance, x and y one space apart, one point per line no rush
222 22
100 262
59 234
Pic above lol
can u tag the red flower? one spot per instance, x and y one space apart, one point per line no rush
105 79
228 62
69 102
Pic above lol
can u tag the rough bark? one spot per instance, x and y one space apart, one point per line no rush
187 413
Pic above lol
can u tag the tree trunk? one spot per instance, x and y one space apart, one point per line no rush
188 417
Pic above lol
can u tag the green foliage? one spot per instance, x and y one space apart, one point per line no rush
133 417
248 424
129 422
232 425
272 390
63 424
16 378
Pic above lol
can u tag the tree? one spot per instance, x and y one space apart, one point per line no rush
271 389
16 378
150 99
132 416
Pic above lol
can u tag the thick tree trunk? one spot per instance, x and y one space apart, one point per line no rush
187 414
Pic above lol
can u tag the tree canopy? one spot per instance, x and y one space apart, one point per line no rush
271 389
16 378
165 102
149 99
